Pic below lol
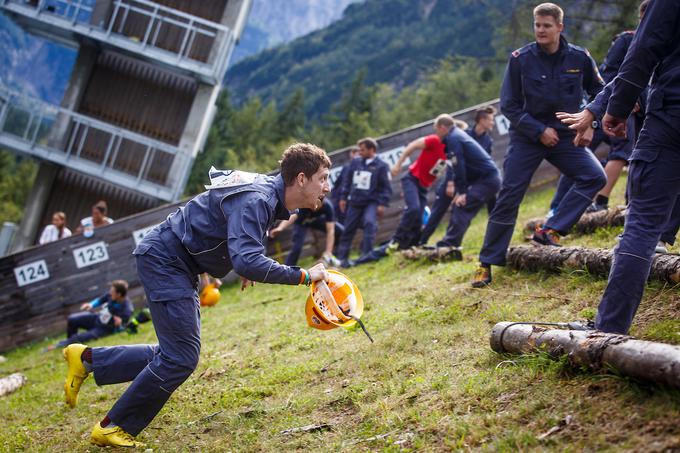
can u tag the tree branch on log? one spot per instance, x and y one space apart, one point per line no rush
665 267
645 360
588 222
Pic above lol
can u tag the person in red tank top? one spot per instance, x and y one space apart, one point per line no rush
421 175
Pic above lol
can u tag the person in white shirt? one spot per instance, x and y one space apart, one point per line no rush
96 220
55 231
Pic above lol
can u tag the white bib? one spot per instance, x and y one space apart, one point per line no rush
438 167
219 179
362 180
104 315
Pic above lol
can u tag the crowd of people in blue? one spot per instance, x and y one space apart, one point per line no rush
636 107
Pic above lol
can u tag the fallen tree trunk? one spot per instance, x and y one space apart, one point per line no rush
11 383
588 222
665 267
436 254
644 360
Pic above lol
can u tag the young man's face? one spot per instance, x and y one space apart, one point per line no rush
314 189
441 130
486 122
113 293
547 30
365 152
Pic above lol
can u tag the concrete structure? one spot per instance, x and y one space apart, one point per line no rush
137 108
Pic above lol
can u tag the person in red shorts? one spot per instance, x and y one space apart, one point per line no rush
420 176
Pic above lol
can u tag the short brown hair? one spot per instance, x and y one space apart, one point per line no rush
368 142
444 120
550 9
120 286
302 157
484 111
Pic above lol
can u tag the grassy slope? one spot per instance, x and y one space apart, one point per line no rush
430 382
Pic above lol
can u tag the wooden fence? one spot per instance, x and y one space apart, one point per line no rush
40 286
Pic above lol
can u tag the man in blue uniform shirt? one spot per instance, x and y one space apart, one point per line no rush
654 175
476 179
337 185
481 132
217 231
365 193
542 78
323 219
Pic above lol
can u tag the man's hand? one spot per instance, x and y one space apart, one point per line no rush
614 127
318 272
274 232
461 200
582 123
117 321
245 282
450 189
86 306
380 211
342 204
395 171
549 137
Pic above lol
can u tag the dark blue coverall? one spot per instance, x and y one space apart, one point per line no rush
654 174
442 201
217 231
535 86
306 218
363 201
92 322
336 193
475 175
620 148
486 142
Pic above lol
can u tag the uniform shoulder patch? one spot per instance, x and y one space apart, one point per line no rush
515 53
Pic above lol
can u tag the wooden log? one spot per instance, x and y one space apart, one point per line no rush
644 360
11 383
589 221
436 254
665 267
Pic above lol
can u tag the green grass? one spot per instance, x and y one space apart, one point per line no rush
429 383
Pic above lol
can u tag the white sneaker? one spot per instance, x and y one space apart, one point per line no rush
330 260
661 247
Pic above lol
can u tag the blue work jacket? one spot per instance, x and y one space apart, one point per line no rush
367 183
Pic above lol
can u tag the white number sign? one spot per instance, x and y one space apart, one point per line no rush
138 235
91 254
31 273
502 124
392 156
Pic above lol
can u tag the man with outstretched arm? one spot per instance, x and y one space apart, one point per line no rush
654 174
219 230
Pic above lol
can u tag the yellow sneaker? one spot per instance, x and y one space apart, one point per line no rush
113 436
75 374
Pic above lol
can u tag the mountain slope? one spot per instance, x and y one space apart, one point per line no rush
394 40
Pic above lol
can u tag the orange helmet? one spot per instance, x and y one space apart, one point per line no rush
210 295
337 303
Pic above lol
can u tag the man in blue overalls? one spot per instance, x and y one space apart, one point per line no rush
476 179
217 231
365 193
654 175
337 186
481 132
542 78
323 219
619 148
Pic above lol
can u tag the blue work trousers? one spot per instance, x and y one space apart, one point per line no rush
437 212
673 225
411 223
170 283
478 195
521 161
653 189
366 217
84 320
299 234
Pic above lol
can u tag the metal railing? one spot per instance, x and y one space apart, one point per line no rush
91 146
154 31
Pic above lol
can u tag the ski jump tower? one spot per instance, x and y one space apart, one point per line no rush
137 107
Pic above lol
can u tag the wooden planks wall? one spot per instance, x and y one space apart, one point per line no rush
33 311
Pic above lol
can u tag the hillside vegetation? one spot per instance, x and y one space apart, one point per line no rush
429 382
